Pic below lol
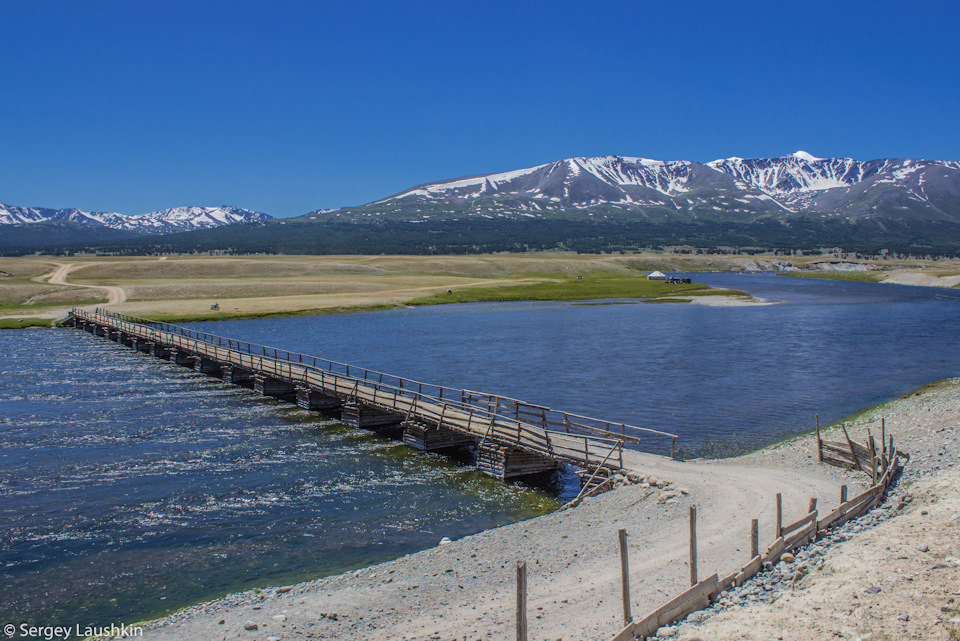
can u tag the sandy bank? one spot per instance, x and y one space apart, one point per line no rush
728 301
465 590
897 580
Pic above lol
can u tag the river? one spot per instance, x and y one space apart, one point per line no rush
130 487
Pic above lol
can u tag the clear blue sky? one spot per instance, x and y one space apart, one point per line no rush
286 107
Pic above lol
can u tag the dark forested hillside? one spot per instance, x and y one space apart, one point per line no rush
300 236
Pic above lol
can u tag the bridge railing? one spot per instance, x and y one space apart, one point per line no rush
497 404
569 422
440 391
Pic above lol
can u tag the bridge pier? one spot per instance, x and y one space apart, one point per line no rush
505 463
432 438
184 359
359 415
310 399
125 339
114 335
236 375
207 366
274 387
143 345
161 351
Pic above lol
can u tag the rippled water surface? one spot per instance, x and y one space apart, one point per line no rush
129 486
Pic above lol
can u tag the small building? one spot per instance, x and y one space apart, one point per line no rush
656 276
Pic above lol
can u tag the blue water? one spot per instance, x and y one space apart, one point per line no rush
129 486
726 378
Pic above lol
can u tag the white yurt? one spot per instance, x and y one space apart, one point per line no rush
656 276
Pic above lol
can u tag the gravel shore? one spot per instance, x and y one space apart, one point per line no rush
465 589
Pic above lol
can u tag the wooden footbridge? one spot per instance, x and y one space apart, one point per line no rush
512 438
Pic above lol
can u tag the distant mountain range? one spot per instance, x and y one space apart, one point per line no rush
166 221
727 190
608 203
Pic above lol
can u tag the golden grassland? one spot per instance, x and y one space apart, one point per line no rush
184 287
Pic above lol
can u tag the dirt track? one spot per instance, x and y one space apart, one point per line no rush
115 295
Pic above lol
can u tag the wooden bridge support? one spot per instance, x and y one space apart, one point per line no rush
310 399
236 375
207 366
359 415
114 335
125 339
431 438
182 358
510 463
161 351
142 345
274 387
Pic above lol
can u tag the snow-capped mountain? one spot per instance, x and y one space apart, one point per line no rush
160 222
733 189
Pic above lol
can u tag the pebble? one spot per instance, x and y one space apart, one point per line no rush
250 625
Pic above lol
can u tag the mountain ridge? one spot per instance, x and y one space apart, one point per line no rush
165 221
733 188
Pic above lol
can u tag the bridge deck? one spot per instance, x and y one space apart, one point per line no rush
488 418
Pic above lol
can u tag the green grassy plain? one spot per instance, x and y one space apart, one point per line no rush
595 286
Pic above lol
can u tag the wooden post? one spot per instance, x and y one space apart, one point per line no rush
853 452
521 601
873 460
625 577
843 493
779 515
883 435
812 506
754 538
693 545
819 442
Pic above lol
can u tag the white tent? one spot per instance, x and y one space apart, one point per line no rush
656 276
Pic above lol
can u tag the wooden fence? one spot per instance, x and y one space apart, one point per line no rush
848 454
792 536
